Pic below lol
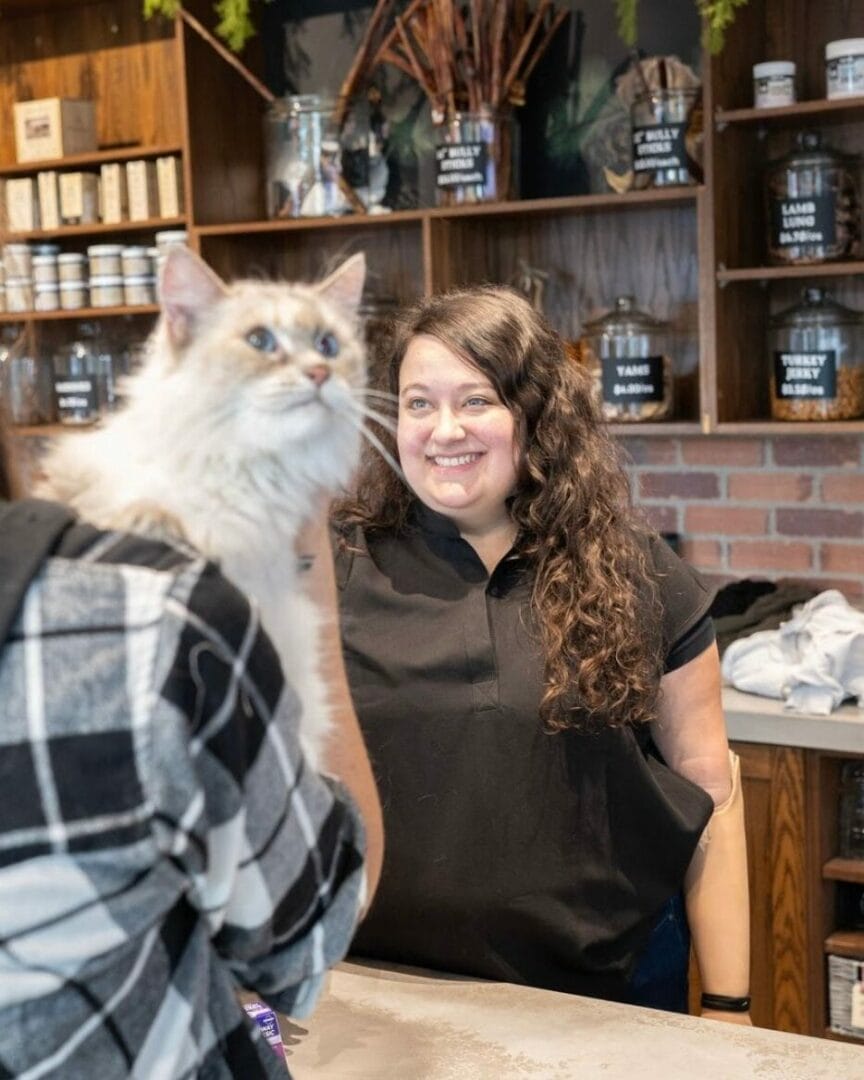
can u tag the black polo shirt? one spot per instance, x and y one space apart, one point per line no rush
511 854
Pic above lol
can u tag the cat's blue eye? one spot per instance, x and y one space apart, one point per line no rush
327 344
262 339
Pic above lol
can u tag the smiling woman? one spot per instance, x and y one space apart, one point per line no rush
537 682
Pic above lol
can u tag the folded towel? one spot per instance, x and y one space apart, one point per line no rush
813 662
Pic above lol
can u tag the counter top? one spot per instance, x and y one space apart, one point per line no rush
400 1024
750 718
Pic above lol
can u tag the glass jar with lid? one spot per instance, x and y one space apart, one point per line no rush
25 380
85 377
626 351
304 165
813 204
817 358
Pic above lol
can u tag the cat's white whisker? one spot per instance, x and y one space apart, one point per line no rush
375 442
387 422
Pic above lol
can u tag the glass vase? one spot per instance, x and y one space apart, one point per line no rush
474 154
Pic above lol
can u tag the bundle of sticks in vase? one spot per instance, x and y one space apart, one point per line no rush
471 58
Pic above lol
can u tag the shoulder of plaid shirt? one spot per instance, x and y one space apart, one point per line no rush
161 841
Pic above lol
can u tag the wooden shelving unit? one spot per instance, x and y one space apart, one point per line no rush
821 109
95 159
80 313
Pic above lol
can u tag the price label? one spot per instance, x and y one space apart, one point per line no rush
660 146
461 163
75 395
802 376
812 220
629 382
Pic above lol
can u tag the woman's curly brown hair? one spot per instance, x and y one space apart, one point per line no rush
593 600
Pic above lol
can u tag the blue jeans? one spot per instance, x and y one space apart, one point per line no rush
660 980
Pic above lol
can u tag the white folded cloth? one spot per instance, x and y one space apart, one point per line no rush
813 661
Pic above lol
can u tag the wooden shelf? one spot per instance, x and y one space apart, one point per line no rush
851 870
837 1037
81 161
99 228
661 427
758 428
848 943
80 313
778 273
568 204
821 108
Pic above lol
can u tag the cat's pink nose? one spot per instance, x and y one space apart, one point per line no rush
318 373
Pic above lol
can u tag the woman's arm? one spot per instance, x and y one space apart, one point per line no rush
691 734
345 754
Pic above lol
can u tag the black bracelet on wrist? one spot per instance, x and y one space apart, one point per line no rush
721 1003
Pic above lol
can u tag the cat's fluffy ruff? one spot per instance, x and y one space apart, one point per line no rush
232 446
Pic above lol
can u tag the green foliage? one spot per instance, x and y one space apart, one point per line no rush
717 17
625 13
235 24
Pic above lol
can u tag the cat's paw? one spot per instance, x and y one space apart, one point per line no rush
149 519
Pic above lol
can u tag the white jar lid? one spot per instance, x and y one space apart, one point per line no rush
45 260
139 279
46 286
46 249
172 236
133 252
71 257
17 249
773 67
18 281
73 284
104 249
105 279
853 46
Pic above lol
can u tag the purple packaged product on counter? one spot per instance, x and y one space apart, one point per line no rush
266 1019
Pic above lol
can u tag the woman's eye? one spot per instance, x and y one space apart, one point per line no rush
477 401
262 339
326 344
415 404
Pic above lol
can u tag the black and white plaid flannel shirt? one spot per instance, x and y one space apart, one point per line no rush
161 840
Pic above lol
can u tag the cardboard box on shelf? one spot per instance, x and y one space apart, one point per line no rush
22 204
49 199
53 128
169 175
143 190
79 198
115 203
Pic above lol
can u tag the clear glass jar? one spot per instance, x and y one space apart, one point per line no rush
817 360
626 352
474 157
813 204
304 165
851 838
25 381
85 377
659 123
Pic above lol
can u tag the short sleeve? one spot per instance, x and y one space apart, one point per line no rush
684 596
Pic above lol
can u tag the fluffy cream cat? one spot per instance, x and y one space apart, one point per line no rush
248 409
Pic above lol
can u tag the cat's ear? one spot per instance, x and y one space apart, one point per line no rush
344 287
187 288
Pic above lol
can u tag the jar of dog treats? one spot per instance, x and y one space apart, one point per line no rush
817 360
626 352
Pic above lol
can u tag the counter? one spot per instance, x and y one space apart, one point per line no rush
750 718
400 1024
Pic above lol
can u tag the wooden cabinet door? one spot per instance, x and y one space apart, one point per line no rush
773 782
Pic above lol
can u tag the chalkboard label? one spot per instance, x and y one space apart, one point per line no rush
461 163
75 396
811 220
628 382
802 376
660 146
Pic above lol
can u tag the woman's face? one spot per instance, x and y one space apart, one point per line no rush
456 438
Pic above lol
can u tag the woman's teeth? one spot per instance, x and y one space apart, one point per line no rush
452 462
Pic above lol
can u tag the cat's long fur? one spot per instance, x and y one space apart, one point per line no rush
231 447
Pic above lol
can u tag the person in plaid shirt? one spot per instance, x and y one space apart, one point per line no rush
162 842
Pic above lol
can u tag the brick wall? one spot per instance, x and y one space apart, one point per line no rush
785 507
